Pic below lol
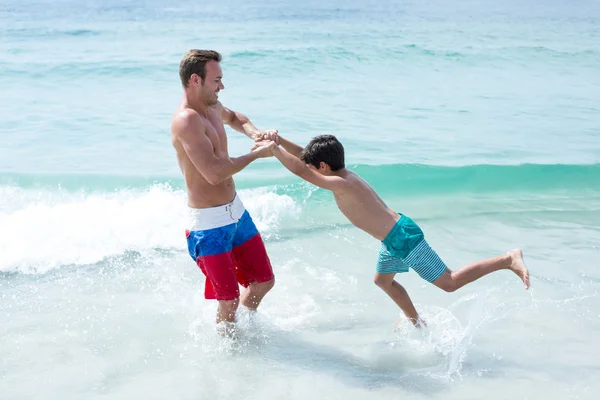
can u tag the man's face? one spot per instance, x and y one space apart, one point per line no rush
209 89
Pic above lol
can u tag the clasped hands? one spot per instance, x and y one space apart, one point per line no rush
265 142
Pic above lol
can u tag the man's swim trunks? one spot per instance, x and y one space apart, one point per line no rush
225 244
405 246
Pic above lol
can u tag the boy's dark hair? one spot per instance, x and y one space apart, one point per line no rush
324 148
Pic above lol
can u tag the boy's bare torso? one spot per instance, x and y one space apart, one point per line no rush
202 194
363 207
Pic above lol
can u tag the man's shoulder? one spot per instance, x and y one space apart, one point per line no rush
186 115
185 120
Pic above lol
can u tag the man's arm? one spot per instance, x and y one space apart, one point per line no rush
239 122
192 136
298 167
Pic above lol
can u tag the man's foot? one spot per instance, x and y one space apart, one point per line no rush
518 266
227 329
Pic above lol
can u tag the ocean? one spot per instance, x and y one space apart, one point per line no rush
478 119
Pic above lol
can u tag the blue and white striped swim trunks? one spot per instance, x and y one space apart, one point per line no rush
405 246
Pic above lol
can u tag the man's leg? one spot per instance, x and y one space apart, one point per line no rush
254 271
221 284
226 310
226 317
513 260
253 267
400 296
255 292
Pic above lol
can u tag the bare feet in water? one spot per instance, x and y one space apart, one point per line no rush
419 323
518 266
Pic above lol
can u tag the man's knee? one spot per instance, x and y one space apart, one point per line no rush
264 287
261 288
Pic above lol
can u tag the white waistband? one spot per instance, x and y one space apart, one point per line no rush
215 217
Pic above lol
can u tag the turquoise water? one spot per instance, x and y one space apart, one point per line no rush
478 119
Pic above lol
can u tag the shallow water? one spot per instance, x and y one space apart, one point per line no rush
477 119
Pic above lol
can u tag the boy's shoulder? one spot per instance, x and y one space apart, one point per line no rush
353 177
352 181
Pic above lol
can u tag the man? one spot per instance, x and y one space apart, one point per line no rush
222 237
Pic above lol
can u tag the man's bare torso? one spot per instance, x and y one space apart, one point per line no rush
202 194
364 208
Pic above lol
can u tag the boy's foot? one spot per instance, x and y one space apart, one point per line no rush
518 266
419 323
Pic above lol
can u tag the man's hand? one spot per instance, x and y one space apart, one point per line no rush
270 134
264 148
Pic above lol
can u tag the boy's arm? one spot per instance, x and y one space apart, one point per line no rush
298 167
291 147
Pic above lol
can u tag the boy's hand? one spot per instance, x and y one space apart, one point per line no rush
271 134
264 148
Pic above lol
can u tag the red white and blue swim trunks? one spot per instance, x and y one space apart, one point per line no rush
225 244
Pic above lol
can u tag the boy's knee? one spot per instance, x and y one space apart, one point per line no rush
382 281
446 282
448 286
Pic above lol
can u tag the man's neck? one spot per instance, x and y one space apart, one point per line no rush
199 106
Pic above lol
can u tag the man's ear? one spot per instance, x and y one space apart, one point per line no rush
323 166
197 79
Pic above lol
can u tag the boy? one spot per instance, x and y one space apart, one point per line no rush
403 243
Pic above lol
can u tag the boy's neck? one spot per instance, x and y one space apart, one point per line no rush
340 172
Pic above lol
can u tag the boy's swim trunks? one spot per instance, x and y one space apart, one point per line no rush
405 246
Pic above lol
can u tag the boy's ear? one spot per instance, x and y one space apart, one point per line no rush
323 166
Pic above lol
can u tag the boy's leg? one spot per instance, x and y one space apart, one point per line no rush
513 260
400 296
